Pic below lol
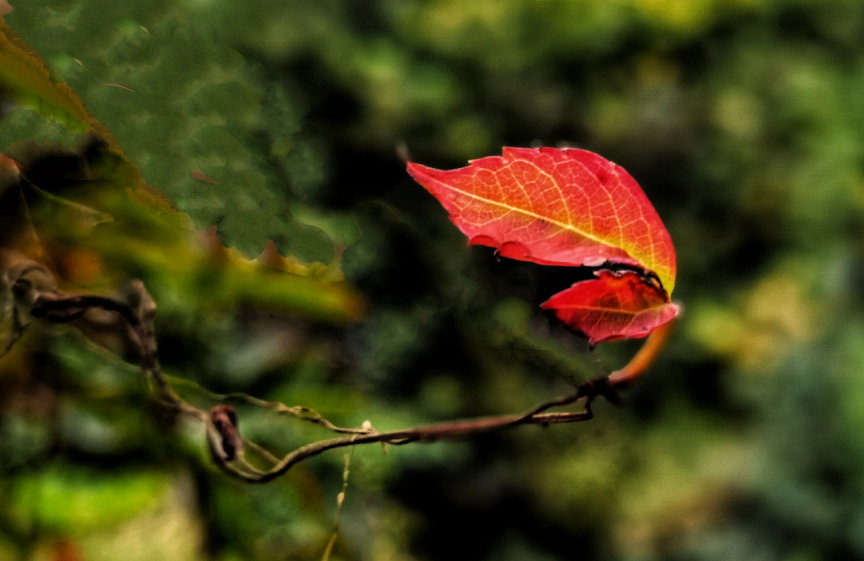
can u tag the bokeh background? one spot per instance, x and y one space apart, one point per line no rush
743 120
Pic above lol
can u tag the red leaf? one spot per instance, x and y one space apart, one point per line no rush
615 305
554 207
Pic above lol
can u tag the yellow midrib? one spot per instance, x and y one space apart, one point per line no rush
568 227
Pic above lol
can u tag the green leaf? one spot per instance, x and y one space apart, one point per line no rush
180 105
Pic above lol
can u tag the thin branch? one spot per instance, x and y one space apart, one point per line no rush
228 447
646 356
263 452
59 308
445 431
340 500
299 411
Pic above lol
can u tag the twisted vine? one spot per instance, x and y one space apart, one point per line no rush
137 310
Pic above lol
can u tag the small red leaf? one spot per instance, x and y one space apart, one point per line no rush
554 207
615 305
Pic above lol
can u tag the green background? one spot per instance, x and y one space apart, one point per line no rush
743 120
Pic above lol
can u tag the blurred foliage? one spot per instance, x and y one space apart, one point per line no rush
742 119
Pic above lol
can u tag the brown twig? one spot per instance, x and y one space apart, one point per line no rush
300 411
430 433
228 447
